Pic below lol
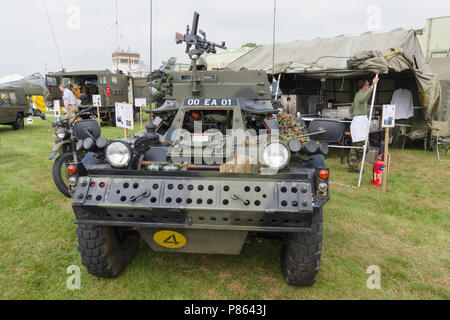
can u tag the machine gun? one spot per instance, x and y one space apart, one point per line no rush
198 42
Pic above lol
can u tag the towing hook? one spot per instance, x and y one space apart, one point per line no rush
235 196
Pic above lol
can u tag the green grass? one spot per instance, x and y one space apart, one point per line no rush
405 232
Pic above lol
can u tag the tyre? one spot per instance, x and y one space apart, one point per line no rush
20 123
106 251
60 175
300 259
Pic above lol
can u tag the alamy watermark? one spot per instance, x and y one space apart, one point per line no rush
74 280
373 21
73 21
374 280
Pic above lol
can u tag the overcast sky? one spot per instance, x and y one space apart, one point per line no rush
87 40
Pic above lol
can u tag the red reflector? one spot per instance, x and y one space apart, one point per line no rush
72 169
93 185
102 185
271 118
324 174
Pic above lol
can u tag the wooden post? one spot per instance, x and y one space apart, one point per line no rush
125 131
141 117
98 115
386 160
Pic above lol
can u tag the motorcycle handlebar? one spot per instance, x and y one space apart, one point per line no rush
72 119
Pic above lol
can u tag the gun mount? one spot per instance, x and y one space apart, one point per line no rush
201 46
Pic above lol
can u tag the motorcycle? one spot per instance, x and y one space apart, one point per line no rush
70 135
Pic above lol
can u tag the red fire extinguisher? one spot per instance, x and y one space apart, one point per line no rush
378 169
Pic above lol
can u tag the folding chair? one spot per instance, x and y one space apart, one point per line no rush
441 136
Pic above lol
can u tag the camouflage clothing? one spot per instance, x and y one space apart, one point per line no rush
71 111
355 157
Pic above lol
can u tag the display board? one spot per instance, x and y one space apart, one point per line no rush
124 116
140 102
96 100
57 109
388 120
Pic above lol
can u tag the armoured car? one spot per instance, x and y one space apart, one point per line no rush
215 166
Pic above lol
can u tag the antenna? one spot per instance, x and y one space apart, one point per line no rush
274 37
117 36
117 27
151 53
53 34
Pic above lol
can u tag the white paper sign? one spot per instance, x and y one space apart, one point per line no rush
140 102
57 109
124 116
29 120
388 116
97 100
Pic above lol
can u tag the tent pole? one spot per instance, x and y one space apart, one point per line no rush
368 133
278 87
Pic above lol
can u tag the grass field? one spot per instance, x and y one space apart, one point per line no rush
405 233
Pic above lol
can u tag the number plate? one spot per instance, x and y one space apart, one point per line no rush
212 102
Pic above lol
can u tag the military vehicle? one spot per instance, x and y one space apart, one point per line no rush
13 107
112 88
208 173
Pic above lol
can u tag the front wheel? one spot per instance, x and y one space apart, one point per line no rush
106 251
300 260
60 174
19 124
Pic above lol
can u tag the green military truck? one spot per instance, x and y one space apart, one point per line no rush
208 173
111 87
13 107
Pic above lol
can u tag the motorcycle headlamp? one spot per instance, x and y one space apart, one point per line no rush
118 154
61 133
276 156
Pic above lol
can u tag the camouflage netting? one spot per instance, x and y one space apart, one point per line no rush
290 128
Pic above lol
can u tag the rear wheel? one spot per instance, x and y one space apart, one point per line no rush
20 123
106 251
300 260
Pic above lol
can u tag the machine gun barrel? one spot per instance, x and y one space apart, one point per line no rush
194 29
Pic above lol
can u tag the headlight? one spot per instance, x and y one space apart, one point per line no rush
276 156
118 154
61 133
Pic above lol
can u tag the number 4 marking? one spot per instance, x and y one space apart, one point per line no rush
172 240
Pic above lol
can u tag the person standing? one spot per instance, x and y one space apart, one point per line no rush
360 122
76 91
70 102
